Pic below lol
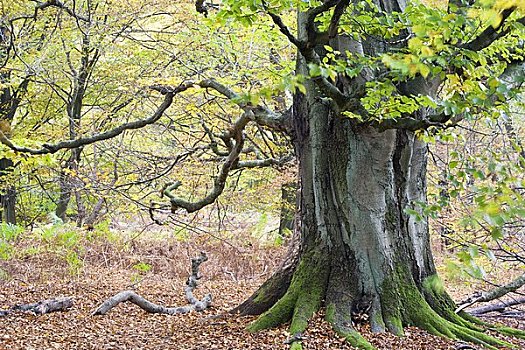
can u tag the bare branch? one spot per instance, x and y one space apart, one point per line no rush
493 294
235 136
260 114
148 306
42 307
236 132
260 163
500 307
58 4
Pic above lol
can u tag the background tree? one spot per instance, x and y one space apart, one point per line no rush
79 86
10 98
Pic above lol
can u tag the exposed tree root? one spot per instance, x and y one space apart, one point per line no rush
300 302
401 304
148 306
340 322
433 310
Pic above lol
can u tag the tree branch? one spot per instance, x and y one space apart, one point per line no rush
262 115
500 307
260 163
284 29
236 132
329 89
42 307
58 4
53 148
234 138
491 34
316 11
412 124
148 306
307 48
336 17
493 294
259 114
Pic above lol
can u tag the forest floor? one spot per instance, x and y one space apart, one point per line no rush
231 275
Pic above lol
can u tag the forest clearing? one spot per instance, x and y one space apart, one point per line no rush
289 174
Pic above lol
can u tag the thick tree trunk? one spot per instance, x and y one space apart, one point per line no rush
361 253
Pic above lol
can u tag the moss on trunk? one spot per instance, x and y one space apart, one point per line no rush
403 302
302 299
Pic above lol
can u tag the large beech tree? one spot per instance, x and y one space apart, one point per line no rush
373 80
379 76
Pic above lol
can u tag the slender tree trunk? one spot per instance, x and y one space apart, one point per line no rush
64 197
95 214
8 104
67 183
7 194
288 204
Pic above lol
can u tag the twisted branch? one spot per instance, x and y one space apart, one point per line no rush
191 284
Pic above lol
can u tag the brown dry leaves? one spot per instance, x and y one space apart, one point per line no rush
128 327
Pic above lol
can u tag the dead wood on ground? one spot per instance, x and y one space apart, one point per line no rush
41 307
191 284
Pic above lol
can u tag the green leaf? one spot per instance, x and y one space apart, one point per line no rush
453 164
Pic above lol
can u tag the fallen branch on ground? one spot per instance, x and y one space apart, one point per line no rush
191 284
493 294
519 315
498 307
42 307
